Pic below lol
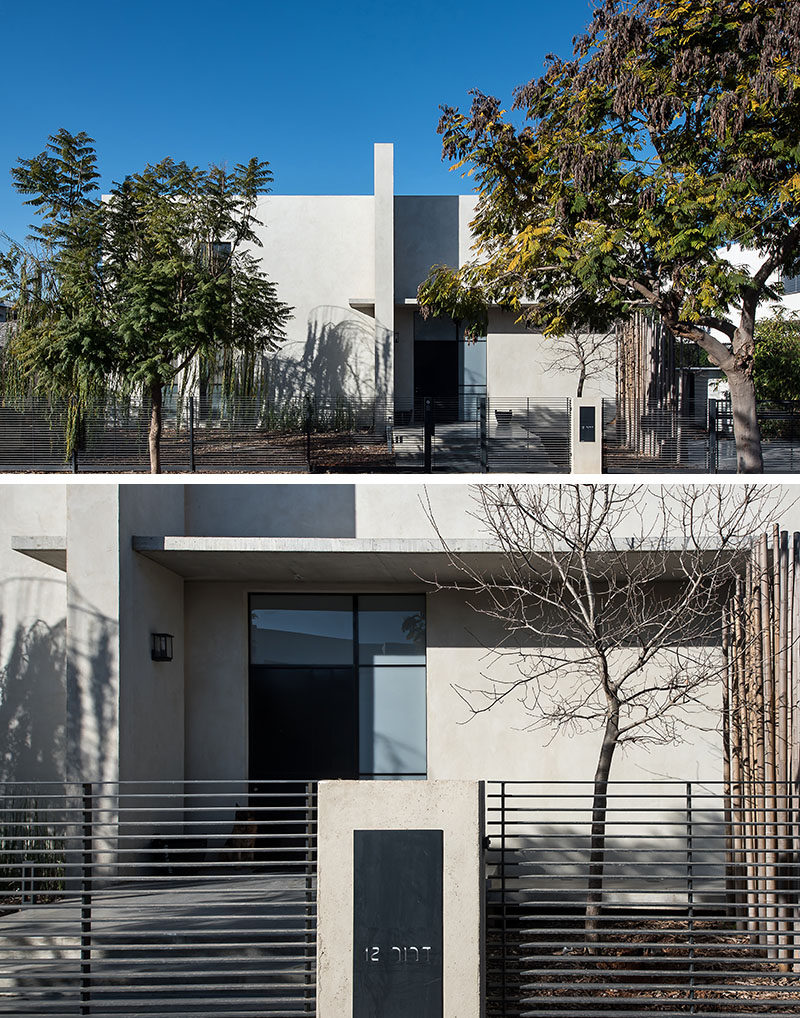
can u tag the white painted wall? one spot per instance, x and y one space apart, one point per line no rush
93 616
521 363
33 609
259 508
319 250
216 634
151 711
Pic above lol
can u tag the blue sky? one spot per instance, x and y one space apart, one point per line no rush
310 87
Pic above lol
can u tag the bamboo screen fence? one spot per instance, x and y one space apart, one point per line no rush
761 642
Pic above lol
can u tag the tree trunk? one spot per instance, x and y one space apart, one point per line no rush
597 847
746 431
154 437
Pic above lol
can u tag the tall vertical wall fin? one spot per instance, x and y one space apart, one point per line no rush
93 616
384 275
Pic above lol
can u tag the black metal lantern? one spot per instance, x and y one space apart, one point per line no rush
161 646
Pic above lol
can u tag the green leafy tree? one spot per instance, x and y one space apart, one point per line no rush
166 285
777 357
643 163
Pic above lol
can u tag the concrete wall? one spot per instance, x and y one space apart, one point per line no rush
216 633
151 712
521 362
93 618
453 807
255 508
503 742
33 609
319 250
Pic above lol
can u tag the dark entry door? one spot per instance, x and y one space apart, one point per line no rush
303 723
436 371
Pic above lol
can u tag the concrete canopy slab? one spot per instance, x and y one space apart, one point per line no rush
313 560
44 548
371 560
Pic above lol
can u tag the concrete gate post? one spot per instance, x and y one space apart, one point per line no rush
400 935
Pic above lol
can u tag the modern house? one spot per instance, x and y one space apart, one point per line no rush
293 611
351 266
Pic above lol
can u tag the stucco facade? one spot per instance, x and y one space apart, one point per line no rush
350 266
92 570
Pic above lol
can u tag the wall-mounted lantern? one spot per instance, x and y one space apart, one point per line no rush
161 646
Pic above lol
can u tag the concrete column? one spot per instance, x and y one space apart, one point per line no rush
454 807
587 435
93 616
384 274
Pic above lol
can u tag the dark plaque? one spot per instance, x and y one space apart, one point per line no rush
397 924
586 424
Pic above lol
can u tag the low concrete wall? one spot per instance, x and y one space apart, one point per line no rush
454 807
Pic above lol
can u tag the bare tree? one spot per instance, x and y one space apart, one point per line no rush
584 354
610 598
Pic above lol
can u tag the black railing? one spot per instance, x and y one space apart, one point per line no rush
780 436
246 436
178 898
481 434
697 912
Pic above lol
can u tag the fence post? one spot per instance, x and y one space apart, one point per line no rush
86 901
191 435
503 899
76 440
310 917
484 432
428 429
713 442
690 891
308 434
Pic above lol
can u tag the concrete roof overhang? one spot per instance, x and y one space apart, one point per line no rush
392 561
48 549
314 560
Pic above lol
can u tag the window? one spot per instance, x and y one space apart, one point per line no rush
791 284
337 686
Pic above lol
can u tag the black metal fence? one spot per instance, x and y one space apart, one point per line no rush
780 437
297 436
158 898
480 434
670 925
654 440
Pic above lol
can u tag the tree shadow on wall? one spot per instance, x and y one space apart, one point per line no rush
92 719
33 704
337 359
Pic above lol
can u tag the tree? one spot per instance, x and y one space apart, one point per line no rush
156 282
645 161
777 357
587 354
610 599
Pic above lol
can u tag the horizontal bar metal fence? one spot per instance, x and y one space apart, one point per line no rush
650 912
479 434
291 436
158 898
780 436
646 439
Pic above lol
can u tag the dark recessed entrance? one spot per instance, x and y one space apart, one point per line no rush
337 686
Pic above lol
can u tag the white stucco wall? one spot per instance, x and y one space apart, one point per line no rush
134 719
319 250
151 600
258 508
93 618
33 609
524 363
